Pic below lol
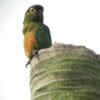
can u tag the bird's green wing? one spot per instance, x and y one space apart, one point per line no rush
43 36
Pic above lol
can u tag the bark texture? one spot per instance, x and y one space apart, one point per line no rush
65 72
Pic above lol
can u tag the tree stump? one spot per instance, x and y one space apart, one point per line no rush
65 72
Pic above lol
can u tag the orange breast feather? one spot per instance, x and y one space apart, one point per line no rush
30 43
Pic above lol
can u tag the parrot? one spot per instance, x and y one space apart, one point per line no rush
36 34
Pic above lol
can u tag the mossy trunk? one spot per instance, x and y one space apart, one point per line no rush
65 72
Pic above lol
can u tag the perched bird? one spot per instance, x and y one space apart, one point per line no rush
36 33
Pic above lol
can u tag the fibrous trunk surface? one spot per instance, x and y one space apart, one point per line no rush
65 72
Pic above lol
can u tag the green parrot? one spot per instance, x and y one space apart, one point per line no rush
36 33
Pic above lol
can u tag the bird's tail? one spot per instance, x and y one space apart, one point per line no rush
35 54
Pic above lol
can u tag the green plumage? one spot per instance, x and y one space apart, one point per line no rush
43 36
36 33
41 32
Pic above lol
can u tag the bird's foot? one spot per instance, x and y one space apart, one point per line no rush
35 54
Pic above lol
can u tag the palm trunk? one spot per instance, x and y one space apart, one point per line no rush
65 72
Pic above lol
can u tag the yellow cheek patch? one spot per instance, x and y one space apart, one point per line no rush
30 43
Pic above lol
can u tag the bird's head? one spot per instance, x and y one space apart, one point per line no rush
34 14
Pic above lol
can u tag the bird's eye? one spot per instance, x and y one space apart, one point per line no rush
32 9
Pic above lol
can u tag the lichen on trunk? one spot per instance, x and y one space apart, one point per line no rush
65 72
